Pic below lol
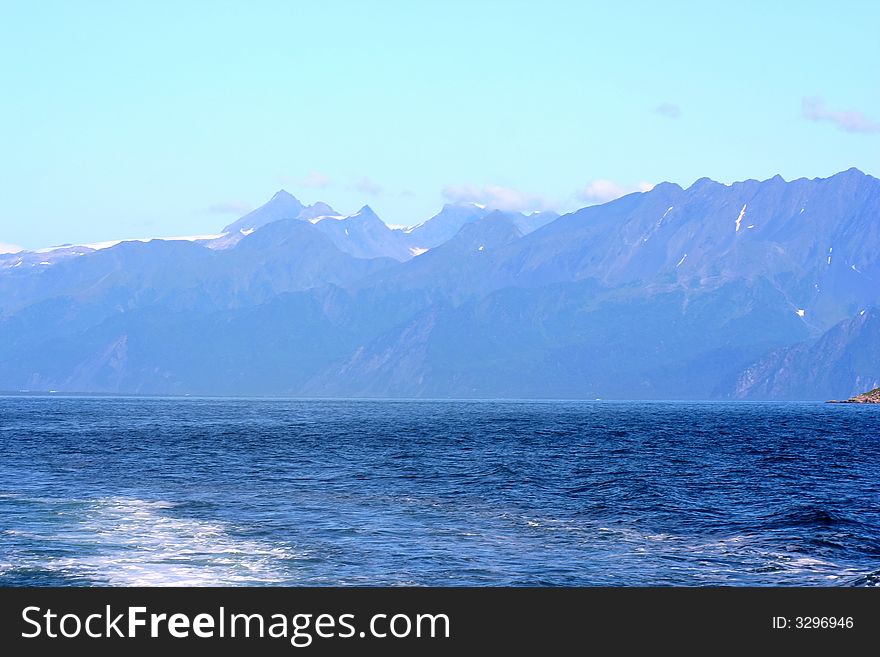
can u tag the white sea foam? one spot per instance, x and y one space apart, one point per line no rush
130 542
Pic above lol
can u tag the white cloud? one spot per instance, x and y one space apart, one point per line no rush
602 191
10 248
230 207
669 110
496 197
368 186
814 109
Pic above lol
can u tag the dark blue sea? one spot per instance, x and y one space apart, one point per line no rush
150 491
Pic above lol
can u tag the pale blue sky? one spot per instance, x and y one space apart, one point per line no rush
138 119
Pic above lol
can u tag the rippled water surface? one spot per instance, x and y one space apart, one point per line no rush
130 491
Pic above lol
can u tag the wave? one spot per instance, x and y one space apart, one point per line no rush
811 516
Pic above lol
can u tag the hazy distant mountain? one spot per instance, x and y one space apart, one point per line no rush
281 206
755 289
453 217
527 223
445 224
364 235
283 256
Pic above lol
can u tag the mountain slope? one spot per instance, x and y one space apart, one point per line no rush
571 340
843 362
816 241
750 290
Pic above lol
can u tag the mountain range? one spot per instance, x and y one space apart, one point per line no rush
752 290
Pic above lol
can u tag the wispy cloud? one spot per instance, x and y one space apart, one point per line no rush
497 197
5 247
368 186
314 180
669 110
602 191
230 207
814 109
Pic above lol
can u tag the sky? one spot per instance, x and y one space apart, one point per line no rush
136 119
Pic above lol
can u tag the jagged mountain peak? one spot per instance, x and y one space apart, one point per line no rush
316 210
284 195
365 212
666 187
852 172
704 183
282 205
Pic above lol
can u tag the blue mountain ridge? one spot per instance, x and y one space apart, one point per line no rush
754 290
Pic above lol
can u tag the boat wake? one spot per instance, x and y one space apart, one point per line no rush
131 542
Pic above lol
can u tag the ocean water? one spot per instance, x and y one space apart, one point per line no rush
148 491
